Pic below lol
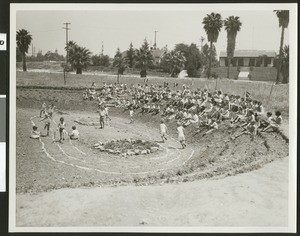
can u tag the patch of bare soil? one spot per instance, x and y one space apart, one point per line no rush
44 165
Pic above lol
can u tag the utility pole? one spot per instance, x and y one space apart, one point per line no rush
67 56
154 46
201 40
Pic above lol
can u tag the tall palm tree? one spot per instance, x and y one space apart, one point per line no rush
79 58
232 26
212 26
23 42
283 17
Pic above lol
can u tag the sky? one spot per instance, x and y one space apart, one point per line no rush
118 28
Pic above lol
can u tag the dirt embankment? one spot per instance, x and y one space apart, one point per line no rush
213 155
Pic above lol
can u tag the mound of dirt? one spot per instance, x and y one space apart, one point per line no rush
128 147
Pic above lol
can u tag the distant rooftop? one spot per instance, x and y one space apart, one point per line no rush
249 53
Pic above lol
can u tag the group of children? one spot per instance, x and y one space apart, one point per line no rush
205 110
61 127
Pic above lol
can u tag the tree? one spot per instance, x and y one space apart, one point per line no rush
130 56
212 26
144 58
232 26
120 63
193 58
205 54
283 17
79 57
23 43
100 60
173 61
285 64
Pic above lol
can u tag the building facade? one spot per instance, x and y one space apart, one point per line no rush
247 58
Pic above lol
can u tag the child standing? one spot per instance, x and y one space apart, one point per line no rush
102 114
181 135
47 123
163 130
43 109
131 113
61 128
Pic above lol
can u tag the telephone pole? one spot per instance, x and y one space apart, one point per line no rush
201 39
67 56
154 46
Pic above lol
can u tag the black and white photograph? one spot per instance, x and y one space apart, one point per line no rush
153 117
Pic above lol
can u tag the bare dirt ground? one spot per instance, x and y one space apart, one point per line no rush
101 189
254 199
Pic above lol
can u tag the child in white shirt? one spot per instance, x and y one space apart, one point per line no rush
74 135
163 130
181 135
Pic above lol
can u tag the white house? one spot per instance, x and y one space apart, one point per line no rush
258 58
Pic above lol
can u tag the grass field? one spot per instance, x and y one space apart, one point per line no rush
259 90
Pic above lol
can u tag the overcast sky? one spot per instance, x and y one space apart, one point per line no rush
117 28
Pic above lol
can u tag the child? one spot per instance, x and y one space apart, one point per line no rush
43 109
74 135
213 125
51 110
102 114
107 118
131 113
35 134
181 135
61 128
163 130
274 123
47 122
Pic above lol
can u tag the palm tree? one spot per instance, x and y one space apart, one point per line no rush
119 62
23 42
144 58
79 58
285 64
212 26
232 26
283 17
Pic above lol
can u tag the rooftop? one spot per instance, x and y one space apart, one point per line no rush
250 53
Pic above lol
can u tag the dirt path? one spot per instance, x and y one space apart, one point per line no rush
258 198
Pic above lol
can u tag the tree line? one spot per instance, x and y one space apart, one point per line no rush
183 56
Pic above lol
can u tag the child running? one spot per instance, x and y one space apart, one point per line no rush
61 128
181 135
163 130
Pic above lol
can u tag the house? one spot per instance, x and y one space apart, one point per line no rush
257 58
157 54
